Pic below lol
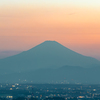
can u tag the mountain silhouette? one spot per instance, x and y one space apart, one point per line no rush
49 54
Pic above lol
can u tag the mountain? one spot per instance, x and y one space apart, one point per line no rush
49 54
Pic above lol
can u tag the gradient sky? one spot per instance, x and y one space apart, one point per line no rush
73 23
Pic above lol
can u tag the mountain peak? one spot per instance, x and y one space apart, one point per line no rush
49 44
49 41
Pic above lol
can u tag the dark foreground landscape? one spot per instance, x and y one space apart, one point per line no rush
49 92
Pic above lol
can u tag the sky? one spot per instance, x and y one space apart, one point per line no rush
73 23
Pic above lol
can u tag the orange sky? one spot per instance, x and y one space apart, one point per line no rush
77 26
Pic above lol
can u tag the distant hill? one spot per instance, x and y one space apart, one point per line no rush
49 54
65 74
5 54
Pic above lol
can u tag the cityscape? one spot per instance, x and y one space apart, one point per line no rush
49 92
